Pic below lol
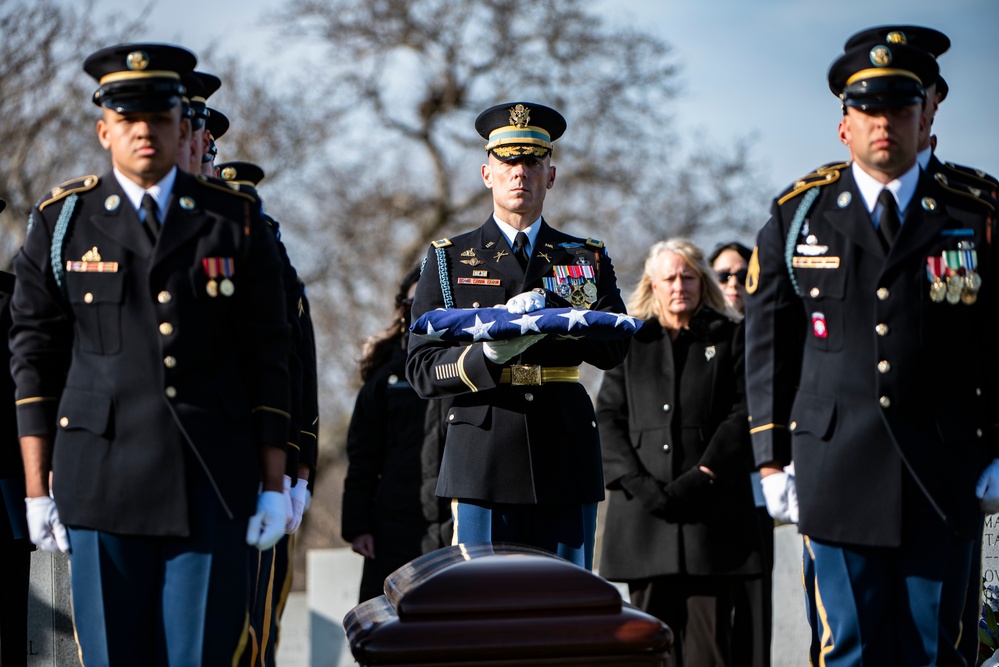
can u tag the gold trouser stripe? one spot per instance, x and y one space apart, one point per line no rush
548 374
285 589
827 642
242 640
454 518
268 606
461 370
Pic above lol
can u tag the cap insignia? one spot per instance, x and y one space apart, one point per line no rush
881 56
229 173
897 37
112 202
520 116
92 255
137 60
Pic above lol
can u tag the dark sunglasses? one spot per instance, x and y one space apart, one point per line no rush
740 276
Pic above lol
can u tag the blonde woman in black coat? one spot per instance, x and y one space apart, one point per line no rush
680 526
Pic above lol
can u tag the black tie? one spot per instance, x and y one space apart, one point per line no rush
520 249
152 221
888 225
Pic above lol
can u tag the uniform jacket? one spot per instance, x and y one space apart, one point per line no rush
853 368
123 357
670 407
513 444
13 523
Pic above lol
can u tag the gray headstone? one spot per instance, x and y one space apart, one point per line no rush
333 580
293 645
50 612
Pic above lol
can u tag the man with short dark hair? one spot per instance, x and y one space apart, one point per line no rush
149 347
522 454
862 274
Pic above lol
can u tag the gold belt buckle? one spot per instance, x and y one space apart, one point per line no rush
525 374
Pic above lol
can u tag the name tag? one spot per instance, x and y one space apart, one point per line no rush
815 262
478 281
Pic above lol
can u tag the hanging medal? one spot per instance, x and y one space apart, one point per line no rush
935 269
211 267
972 279
955 279
228 269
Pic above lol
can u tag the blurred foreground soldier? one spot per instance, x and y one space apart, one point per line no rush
216 126
15 547
859 279
270 569
522 455
149 344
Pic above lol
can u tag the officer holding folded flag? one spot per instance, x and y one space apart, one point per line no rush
522 455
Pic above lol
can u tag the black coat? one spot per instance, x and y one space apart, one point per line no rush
381 492
854 369
13 523
513 444
674 405
133 368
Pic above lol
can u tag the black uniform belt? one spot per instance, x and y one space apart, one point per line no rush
523 374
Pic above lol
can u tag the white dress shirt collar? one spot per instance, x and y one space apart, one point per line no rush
160 192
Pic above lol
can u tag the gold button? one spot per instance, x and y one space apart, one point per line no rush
883 293
666 447
164 297
814 292
450 417
528 397
883 366
882 329
978 433
793 425
475 304
166 328
64 422
88 298
667 408
978 391
885 402
593 424
171 392
170 362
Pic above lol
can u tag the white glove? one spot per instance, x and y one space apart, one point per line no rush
266 527
987 489
525 303
44 527
501 351
300 496
781 496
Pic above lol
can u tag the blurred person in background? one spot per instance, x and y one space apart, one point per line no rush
681 528
382 515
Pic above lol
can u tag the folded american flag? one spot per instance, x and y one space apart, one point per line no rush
473 324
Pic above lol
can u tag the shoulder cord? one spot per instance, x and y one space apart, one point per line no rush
445 279
58 239
792 234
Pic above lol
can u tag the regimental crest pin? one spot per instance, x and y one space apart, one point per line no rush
709 352
112 202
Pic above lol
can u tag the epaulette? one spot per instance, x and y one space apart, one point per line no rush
965 173
595 243
964 190
441 243
81 184
824 175
232 189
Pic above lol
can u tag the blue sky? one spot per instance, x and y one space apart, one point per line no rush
750 67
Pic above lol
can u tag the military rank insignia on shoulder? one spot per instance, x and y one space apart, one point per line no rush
225 187
824 175
594 243
972 175
72 186
441 243
965 190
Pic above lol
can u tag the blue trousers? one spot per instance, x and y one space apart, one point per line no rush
888 606
567 530
159 601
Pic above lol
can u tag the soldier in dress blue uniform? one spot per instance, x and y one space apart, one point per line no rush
270 570
867 278
522 454
149 347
